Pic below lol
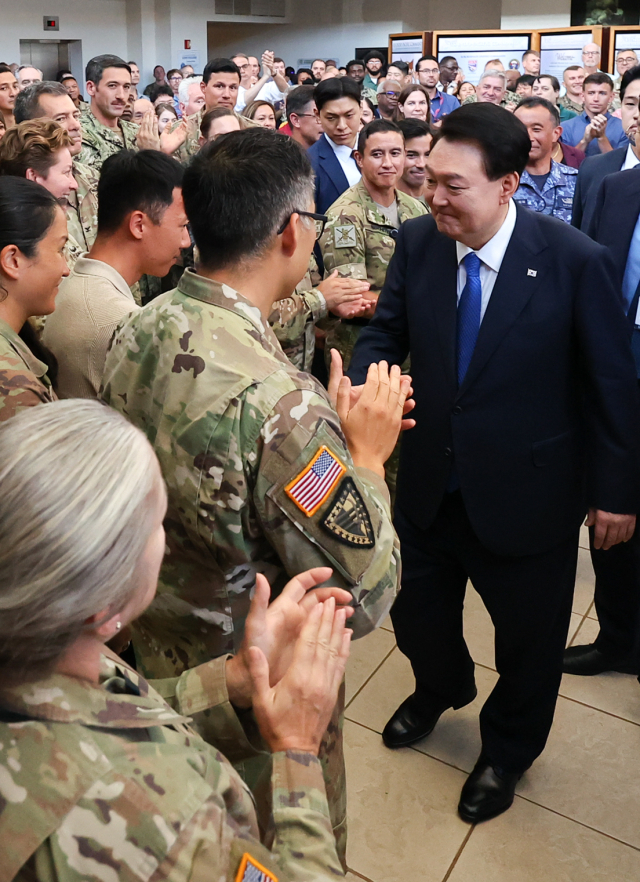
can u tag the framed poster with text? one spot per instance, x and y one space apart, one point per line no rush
561 49
407 47
622 38
474 50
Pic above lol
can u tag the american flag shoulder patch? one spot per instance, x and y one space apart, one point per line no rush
316 481
251 871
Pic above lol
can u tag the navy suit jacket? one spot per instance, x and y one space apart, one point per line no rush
331 181
547 420
615 213
591 174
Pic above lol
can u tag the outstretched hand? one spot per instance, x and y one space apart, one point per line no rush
275 627
338 379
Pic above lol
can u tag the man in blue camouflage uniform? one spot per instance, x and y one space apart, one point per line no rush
546 186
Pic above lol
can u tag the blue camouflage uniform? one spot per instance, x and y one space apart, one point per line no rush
555 198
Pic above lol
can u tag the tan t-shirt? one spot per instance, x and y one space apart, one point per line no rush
90 304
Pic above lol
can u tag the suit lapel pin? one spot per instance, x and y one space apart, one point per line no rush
533 273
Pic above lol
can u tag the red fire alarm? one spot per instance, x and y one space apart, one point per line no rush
187 44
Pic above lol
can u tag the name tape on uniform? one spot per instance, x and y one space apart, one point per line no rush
251 871
316 481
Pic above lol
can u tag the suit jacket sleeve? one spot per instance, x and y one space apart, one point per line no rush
578 198
594 221
611 400
387 335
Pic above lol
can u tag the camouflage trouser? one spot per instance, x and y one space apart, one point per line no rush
256 772
344 337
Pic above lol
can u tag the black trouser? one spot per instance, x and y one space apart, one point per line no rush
617 598
529 601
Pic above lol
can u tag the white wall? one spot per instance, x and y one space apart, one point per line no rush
100 24
548 14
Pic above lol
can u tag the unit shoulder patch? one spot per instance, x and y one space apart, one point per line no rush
251 871
348 519
345 236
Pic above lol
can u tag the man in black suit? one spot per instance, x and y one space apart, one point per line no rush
332 156
595 168
527 416
615 223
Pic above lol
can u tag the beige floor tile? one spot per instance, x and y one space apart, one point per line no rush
585 581
366 654
387 625
402 811
574 627
589 771
389 686
530 844
617 694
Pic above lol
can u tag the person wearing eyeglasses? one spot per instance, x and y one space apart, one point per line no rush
591 54
428 71
388 93
174 78
263 475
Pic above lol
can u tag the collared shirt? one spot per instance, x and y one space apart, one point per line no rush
573 132
269 92
91 303
491 255
630 160
442 104
344 155
23 377
555 198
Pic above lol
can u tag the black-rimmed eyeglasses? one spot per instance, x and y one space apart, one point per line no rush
320 221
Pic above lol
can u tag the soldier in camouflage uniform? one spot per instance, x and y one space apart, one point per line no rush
359 239
240 434
24 381
82 213
103 779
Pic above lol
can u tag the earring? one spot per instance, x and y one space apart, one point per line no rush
118 625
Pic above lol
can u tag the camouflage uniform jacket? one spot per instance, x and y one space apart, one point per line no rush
358 240
237 431
107 782
293 320
555 198
99 142
510 100
82 213
23 377
568 104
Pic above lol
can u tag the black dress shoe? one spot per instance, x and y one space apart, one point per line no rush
586 661
487 792
416 718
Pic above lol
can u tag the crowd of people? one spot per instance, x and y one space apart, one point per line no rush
282 352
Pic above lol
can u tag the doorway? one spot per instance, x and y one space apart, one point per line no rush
50 56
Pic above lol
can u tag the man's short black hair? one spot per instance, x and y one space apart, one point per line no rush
628 77
402 66
375 54
526 80
97 66
4 68
376 127
228 178
27 104
305 70
500 136
599 79
536 101
414 128
555 85
447 58
530 52
336 88
220 65
425 58
130 180
159 89
298 99
355 62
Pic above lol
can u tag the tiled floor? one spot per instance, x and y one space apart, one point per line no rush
576 817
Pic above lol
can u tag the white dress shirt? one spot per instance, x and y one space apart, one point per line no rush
269 92
491 256
346 160
630 160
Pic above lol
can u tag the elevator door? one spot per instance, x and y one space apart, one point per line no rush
50 56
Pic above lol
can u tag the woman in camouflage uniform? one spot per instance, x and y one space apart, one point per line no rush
101 776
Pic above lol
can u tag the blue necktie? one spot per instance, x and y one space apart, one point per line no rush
469 314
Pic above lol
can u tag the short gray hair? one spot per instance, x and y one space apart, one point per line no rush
183 88
27 104
76 515
497 74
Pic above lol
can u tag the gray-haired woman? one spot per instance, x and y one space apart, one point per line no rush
101 777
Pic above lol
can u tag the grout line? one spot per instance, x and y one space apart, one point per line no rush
599 709
458 853
359 875
372 674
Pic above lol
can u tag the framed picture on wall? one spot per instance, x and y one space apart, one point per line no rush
605 12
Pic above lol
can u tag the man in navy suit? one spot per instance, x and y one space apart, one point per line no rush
595 168
527 417
338 106
615 222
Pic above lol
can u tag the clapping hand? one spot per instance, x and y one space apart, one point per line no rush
148 137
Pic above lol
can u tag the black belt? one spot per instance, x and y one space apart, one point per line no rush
360 322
